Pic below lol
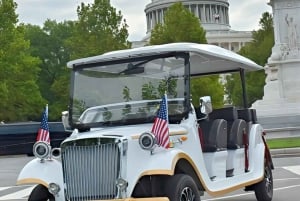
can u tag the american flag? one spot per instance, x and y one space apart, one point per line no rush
160 127
43 132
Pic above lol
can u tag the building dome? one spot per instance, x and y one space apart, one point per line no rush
213 14
214 18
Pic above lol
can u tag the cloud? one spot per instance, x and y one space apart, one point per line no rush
38 11
244 15
134 15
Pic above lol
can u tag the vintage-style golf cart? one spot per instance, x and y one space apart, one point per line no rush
113 154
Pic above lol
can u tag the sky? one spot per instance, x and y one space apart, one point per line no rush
244 15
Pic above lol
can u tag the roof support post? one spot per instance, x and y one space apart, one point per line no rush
243 81
187 80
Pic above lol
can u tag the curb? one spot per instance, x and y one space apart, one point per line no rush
285 152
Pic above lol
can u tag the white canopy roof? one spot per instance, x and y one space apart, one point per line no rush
204 58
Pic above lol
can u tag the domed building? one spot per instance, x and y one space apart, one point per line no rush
213 15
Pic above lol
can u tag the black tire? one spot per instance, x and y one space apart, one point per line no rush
181 187
40 193
264 189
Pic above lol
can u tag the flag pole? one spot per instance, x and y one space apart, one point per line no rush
46 109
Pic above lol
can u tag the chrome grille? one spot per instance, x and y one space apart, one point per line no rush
90 171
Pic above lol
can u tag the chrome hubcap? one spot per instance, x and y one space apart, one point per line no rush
187 194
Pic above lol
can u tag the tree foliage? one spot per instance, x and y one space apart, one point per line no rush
20 97
99 29
259 51
48 43
180 25
33 59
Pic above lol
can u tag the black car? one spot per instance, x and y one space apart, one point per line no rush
18 138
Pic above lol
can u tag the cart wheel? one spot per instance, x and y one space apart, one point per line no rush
264 189
181 187
40 193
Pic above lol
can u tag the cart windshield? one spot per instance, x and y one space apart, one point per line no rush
128 92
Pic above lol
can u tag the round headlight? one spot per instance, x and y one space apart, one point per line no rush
53 188
147 141
41 150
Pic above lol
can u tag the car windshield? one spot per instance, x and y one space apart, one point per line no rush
129 92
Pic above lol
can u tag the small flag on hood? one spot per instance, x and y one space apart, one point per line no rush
43 132
160 127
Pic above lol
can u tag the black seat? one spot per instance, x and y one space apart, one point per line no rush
227 113
214 135
254 116
245 114
230 114
235 137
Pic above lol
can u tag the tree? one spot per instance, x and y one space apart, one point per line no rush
20 98
48 43
99 29
259 51
180 25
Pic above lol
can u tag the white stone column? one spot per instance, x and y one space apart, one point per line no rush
153 19
210 14
148 22
204 13
197 11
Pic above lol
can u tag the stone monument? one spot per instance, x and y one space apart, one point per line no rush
280 106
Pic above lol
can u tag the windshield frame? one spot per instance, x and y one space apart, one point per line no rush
187 102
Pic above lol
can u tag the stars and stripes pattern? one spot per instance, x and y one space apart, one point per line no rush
43 132
160 127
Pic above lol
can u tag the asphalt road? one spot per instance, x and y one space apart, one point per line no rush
286 181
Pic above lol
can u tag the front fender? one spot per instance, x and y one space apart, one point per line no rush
37 172
160 163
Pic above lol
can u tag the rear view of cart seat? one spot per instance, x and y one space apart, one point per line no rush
236 128
214 135
249 115
236 148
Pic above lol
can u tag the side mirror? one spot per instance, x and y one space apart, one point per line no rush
65 120
205 105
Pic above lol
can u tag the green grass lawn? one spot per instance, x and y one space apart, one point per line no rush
283 143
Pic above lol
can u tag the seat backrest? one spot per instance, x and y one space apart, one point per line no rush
204 129
218 134
214 135
230 114
227 113
235 138
254 117
245 114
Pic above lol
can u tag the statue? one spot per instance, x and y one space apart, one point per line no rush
292 33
